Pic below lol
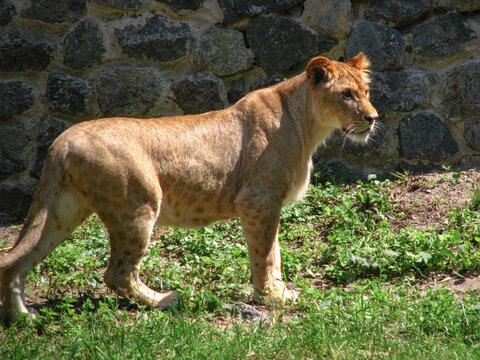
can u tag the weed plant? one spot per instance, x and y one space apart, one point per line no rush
363 285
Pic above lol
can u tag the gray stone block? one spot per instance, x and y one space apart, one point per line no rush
399 91
237 90
383 45
471 133
223 52
127 90
425 136
7 12
177 5
198 94
442 36
67 93
51 11
262 82
83 45
20 51
160 39
334 17
461 91
13 140
15 200
234 10
50 129
15 99
340 171
123 4
279 42
247 312
397 12
459 5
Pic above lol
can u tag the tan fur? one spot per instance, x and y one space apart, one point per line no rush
188 171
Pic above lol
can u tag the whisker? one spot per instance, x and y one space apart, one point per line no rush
350 130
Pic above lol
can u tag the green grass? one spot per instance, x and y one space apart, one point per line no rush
362 286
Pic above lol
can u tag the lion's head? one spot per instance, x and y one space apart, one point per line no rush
342 95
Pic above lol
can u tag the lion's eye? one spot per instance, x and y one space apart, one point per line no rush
348 95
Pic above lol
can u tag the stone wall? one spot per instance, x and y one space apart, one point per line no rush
66 61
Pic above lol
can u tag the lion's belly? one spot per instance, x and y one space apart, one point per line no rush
194 211
186 220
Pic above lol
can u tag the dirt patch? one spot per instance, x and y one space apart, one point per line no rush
8 234
460 286
423 202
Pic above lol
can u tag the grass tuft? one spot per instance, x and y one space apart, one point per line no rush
475 200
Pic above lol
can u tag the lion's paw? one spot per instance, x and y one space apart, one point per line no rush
277 294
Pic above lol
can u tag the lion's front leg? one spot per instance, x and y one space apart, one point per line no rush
260 226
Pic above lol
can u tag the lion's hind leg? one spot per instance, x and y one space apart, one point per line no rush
129 239
67 213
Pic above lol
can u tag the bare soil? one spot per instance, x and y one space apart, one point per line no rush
426 199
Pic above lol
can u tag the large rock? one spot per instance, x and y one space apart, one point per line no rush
127 90
223 52
236 91
51 11
442 36
263 82
67 93
471 133
50 128
425 136
14 201
160 39
234 10
279 42
333 17
7 12
198 94
20 51
397 12
383 45
123 4
177 5
399 91
13 140
463 5
83 46
340 171
15 99
461 91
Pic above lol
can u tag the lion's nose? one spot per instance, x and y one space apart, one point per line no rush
370 118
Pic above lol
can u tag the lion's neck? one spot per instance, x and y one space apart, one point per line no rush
314 123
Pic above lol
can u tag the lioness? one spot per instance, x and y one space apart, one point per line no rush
189 171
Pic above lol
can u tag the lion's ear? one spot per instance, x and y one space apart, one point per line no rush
359 62
321 70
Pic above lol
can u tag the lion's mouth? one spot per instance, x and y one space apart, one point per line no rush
356 134
352 131
355 131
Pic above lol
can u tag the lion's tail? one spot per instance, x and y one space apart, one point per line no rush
43 202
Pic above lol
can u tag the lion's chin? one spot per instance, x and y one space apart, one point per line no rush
359 137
